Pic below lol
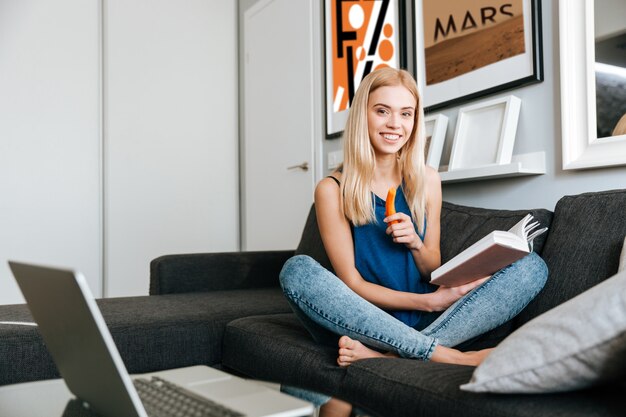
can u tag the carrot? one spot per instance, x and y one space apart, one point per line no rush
390 206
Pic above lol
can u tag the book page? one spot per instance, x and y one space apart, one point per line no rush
510 240
520 228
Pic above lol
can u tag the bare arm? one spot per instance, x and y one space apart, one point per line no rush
339 245
426 253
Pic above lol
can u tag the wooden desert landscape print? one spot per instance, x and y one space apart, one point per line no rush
460 37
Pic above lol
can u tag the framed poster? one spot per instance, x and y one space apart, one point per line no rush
466 50
359 37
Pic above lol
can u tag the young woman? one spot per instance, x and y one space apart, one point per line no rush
380 301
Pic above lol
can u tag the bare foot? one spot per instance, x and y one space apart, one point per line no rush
335 408
447 355
351 350
477 357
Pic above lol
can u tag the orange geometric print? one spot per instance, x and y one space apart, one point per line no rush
385 50
388 30
358 20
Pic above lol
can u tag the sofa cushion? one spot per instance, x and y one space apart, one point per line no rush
196 272
311 242
277 348
622 258
575 345
462 226
151 333
410 388
582 249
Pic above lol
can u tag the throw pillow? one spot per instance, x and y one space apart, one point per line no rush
575 345
622 258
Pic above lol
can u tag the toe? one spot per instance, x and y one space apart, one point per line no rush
345 352
343 361
344 342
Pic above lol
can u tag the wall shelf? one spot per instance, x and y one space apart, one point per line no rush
521 165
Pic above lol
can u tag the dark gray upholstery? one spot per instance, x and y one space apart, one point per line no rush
407 388
461 226
216 271
278 348
311 242
151 333
582 249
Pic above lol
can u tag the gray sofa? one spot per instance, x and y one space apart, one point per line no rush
226 310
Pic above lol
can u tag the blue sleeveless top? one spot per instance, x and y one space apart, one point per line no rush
381 261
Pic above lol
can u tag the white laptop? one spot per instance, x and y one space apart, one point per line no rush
82 348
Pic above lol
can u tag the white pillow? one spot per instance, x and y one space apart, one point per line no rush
622 258
574 345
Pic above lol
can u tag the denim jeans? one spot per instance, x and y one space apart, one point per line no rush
328 308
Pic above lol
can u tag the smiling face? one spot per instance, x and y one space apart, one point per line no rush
390 118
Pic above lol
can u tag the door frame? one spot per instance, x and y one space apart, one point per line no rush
317 167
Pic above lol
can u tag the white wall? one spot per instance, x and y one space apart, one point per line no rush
171 135
111 156
50 194
539 129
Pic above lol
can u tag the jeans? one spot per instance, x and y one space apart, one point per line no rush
327 308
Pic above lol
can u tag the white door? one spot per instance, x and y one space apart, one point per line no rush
278 123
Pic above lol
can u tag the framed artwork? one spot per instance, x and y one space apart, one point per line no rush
435 134
582 148
465 50
360 36
485 134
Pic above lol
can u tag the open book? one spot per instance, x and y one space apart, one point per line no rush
490 254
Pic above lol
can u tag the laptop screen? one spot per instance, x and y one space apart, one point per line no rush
77 338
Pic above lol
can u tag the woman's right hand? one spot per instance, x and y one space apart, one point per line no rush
444 297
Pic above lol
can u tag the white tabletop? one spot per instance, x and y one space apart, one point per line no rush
35 399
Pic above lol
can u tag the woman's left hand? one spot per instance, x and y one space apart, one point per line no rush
403 231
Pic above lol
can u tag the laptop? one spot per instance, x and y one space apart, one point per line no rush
83 350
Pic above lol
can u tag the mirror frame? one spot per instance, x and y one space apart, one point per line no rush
581 146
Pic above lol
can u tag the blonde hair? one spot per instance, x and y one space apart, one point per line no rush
359 159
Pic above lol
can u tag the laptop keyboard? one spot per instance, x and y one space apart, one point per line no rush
163 398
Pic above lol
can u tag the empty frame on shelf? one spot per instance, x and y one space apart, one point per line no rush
485 134
435 135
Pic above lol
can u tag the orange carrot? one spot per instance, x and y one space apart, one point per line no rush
390 206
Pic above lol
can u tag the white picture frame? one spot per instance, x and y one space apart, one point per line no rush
581 146
485 134
435 127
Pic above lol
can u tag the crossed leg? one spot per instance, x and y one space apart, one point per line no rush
319 299
498 299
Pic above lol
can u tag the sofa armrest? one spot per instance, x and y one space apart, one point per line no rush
200 272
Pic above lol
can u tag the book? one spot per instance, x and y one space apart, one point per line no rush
490 254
